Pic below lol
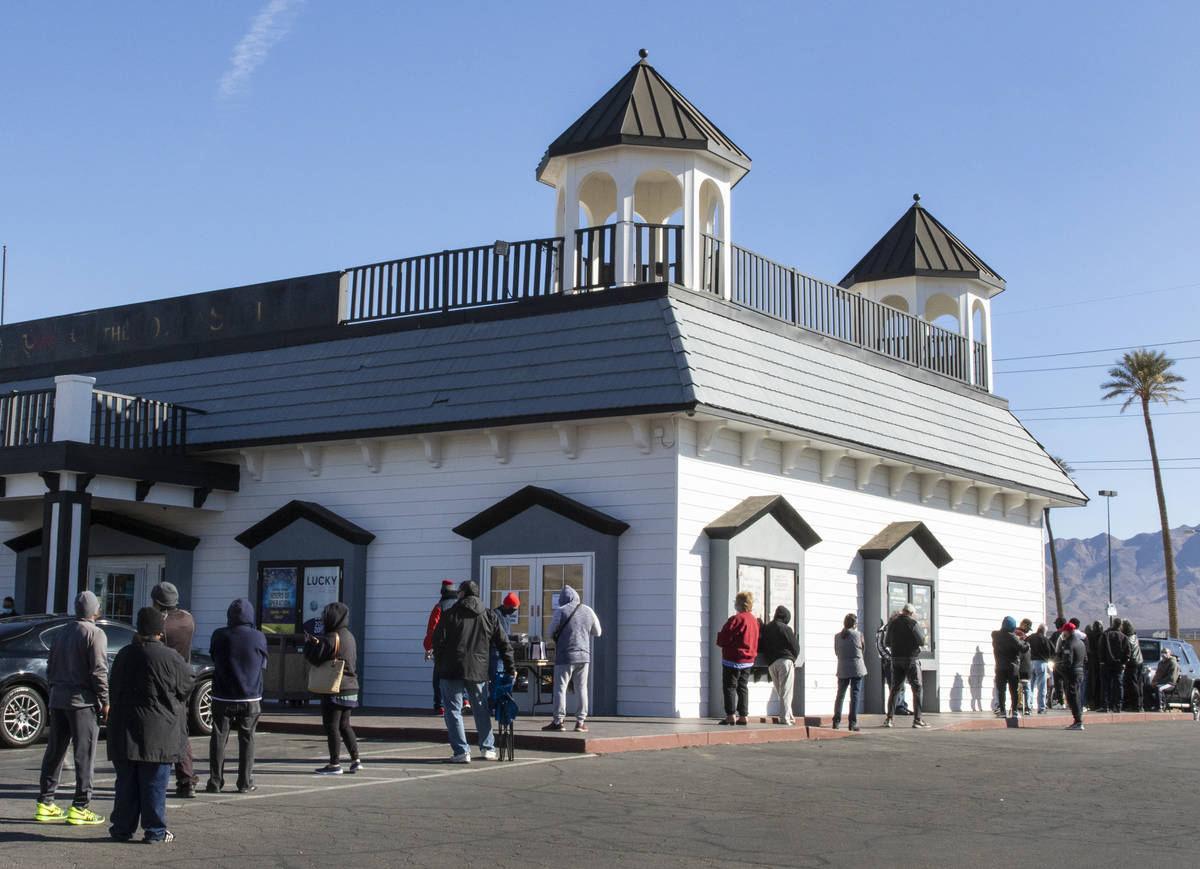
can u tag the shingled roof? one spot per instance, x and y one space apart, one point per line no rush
919 245
644 109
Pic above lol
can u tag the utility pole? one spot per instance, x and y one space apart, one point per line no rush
3 281
1108 495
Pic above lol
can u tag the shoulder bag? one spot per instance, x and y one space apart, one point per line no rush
327 678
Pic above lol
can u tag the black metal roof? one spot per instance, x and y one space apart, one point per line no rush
919 245
889 539
530 496
733 522
314 513
644 109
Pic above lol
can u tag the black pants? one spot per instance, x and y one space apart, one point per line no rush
243 717
735 684
80 726
905 669
336 720
1010 681
1134 686
1114 686
185 770
1074 683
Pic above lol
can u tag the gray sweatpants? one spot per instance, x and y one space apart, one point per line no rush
563 674
81 726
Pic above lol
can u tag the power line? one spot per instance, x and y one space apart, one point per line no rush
1110 416
1079 367
1140 470
1092 301
1110 461
1078 406
1097 350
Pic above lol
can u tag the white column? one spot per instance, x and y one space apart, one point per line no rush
726 244
73 408
691 230
624 248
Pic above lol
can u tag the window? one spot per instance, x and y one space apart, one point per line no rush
920 594
773 584
293 593
537 580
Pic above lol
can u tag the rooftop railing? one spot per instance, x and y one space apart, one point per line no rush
27 418
129 422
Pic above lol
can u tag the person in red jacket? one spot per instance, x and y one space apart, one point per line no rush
738 640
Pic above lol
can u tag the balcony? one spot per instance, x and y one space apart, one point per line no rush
514 271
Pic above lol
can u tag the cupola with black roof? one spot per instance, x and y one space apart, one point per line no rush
643 180
923 269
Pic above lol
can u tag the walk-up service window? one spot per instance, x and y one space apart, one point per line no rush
772 583
919 593
292 595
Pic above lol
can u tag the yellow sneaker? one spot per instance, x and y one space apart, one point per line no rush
48 813
83 816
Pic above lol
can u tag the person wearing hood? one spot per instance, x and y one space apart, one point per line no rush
1008 648
178 629
448 598
572 628
461 642
1072 654
851 667
337 643
239 653
147 730
1115 653
777 643
78 675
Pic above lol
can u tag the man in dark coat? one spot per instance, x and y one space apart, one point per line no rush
239 653
461 641
1008 649
1115 653
179 628
78 675
150 684
1072 655
905 639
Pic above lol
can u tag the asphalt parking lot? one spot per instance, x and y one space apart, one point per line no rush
907 798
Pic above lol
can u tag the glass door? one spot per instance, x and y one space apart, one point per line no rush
537 581
123 585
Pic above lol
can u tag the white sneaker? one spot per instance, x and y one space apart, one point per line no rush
491 754
465 757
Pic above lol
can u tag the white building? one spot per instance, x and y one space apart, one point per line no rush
635 405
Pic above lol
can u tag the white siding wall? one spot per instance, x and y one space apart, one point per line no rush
411 506
996 571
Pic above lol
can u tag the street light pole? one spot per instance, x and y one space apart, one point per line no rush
1108 495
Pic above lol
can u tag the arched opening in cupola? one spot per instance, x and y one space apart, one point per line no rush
942 310
597 200
658 228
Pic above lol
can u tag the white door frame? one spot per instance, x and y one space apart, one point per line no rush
151 567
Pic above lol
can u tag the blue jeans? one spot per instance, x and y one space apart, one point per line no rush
452 695
141 791
854 683
1037 685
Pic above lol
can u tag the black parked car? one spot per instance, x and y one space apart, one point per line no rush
25 650
1187 688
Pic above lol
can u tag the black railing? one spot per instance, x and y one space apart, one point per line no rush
658 253
128 422
465 278
595 257
710 264
27 418
783 292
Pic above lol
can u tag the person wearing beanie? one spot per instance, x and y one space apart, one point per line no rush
179 628
1072 654
147 729
239 653
78 675
507 615
1008 648
449 597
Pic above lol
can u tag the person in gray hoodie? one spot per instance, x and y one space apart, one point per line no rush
78 677
239 652
848 647
572 628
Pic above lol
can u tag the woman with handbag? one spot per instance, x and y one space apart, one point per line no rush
332 655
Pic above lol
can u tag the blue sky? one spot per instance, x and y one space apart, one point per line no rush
154 149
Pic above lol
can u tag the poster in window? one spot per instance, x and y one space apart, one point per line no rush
783 590
322 586
279 603
897 597
922 601
752 578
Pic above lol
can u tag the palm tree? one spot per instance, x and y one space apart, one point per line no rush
1068 470
1145 375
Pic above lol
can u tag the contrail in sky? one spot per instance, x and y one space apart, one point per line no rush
267 29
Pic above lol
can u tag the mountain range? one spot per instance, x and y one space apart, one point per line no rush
1139 579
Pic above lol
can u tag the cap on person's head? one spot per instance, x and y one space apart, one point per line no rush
447 584
86 604
1009 624
165 594
511 600
1069 627
908 609
469 588
150 621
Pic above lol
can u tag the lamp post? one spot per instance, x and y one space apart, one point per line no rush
1108 495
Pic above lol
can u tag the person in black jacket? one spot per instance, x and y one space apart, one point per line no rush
460 653
147 728
239 652
904 638
1008 648
778 645
336 642
1115 652
1041 654
1072 655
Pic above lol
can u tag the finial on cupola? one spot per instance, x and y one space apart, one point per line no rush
643 54
917 198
